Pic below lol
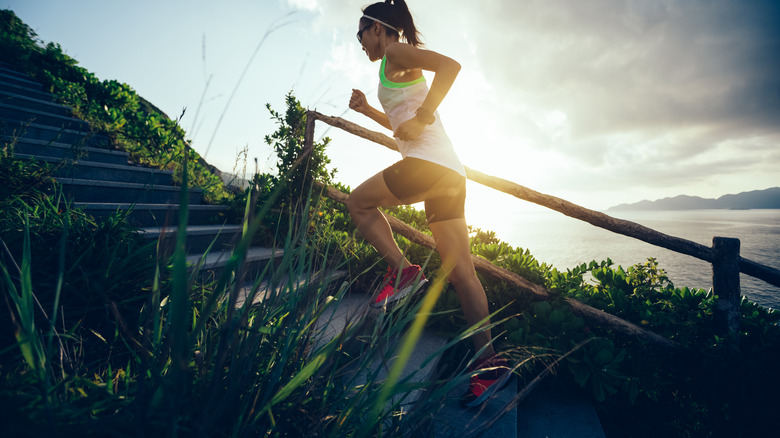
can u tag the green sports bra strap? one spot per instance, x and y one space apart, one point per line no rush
389 84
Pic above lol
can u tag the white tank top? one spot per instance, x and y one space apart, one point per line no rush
400 100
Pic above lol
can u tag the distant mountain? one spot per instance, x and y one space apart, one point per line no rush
756 199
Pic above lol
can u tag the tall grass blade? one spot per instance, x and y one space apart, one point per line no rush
27 337
302 376
180 295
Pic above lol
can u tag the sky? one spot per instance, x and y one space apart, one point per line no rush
598 102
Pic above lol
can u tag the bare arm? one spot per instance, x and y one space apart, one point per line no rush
359 103
445 68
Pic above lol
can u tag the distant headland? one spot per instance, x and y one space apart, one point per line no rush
756 199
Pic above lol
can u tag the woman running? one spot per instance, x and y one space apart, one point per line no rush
429 172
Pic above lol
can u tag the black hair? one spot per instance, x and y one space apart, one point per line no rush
396 14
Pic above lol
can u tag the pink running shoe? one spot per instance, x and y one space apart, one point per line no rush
412 279
486 383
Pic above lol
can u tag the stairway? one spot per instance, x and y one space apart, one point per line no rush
101 181
452 420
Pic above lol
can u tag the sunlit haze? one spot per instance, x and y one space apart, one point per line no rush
598 102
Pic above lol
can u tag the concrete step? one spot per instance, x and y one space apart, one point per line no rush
149 215
199 237
13 129
48 149
21 114
8 69
22 90
350 311
544 413
353 312
31 103
84 190
211 266
551 413
21 80
67 168
454 420
268 288
420 366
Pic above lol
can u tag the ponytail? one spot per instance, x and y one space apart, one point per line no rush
396 14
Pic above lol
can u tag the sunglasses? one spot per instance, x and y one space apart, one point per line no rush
360 32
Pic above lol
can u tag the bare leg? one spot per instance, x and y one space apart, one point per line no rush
371 223
452 243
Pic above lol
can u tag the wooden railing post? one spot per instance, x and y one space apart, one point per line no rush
308 135
725 284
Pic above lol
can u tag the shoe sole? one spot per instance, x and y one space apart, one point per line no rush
416 286
494 388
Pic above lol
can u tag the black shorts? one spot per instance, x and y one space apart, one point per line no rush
442 189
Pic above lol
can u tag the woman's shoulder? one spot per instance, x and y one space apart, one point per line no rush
404 56
399 49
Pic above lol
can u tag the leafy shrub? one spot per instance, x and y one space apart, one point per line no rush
296 171
706 387
21 179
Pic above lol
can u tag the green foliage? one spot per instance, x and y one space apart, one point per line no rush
100 261
291 190
597 368
643 295
18 40
197 363
410 216
20 179
296 167
706 387
333 227
517 260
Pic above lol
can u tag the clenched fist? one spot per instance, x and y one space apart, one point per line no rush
358 101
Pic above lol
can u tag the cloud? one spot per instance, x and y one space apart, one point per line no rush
347 60
621 93
653 94
626 65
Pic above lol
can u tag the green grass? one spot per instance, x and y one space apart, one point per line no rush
185 360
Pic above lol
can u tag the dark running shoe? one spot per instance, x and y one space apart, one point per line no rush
486 383
412 279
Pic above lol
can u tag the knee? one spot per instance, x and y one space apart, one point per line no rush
354 206
462 279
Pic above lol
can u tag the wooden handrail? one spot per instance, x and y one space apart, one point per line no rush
757 270
601 220
538 292
620 226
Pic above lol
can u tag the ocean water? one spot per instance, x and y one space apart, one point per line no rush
565 242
